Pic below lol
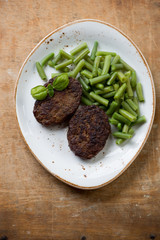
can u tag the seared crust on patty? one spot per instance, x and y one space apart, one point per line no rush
61 106
88 131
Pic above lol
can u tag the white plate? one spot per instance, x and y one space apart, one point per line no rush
50 145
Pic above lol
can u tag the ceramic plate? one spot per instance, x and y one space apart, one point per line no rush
50 145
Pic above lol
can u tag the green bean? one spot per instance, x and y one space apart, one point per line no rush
140 120
81 55
128 108
112 78
133 79
65 54
101 64
109 95
131 131
63 64
132 104
85 86
115 59
51 64
85 79
46 59
99 72
65 69
99 79
86 101
107 64
129 88
119 141
126 96
94 50
86 94
120 118
119 126
78 68
56 59
70 74
99 86
126 66
41 71
99 99
120 91
95 66
88 59
128 74
96 103
127 115
113 121
112 108
116 86
102 107
88 66
125 128
55 75
105 90
117 66
121 77
86 73
135 100
139 92
122 135
103 53
78 48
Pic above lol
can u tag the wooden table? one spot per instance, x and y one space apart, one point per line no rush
33 204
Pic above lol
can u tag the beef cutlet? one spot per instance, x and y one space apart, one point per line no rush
88 131
57 109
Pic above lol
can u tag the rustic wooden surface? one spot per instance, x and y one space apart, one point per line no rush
33 204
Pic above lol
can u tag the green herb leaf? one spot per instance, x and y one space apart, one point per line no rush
39 92
50 90
61 82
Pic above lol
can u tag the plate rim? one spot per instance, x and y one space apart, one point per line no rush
153 93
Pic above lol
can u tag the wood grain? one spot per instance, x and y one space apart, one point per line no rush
33 204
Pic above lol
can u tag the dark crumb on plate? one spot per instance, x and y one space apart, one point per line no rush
66 45
85 175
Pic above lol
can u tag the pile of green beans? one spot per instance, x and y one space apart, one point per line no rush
107 81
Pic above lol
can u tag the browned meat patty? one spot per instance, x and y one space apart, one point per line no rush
88 131
61 106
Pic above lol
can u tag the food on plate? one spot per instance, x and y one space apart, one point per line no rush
57 109
88 131
107 81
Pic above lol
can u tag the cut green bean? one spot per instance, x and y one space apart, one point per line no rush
115 59
78 48
122 135
139 92
53 75
132 104
126 66
105 90
112 78
85 86
119 126
119 141
128 74
99 72
78 68
95 66
127 115
86 94
99 99
103 107
116 86
109 95
120 91
99 79
65 69
117 66
99 86
88 66
41 71
129 88
103 53
86 101
112 108
63 64
85 79
121 77
140 120
88 59
86 73
125 128
65 54
56 59
131 131
133 79
135 100
120 118
101 64
113 121
107 64
81 55
94 50
46 59
128 108
51 64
